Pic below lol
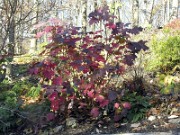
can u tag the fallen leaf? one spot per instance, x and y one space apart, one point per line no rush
154 111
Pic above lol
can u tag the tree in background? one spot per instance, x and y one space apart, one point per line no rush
17 17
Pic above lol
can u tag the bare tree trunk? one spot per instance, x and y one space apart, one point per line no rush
119 12
95 7
138 4
114 9
36 20
84 21
11 38
34 41
151 14
168 11
135 12
178 9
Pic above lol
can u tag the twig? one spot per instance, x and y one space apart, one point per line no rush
3 122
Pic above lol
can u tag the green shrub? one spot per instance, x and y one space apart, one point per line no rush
166 53
10 105
168 84
6 94
139 106
34 91
21 87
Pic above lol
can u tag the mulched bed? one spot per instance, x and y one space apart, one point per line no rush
165 106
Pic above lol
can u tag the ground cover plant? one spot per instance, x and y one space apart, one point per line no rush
78 72
139 106
20 106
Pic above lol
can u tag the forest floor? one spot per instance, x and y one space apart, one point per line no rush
165 117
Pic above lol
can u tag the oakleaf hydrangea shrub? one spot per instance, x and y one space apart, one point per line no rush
79 66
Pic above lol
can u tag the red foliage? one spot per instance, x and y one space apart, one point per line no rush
126 105
79 67
95 112
50 116
116 105
175 24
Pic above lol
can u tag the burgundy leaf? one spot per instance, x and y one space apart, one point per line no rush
61 99
34 70
53 96
100 98
93 20
94 65
91 94
50 116
95 112
121 69
55 105
129 59
115 45
115 31
70 90
100 58
123 113
84 46
137 46
86 70
135 30
82 105
126 105
55 51
112 95
104 103
116 105
116 118
111 25
48 73
86 86
97 36
57 81
63 58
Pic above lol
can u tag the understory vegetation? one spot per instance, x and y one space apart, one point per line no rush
89 75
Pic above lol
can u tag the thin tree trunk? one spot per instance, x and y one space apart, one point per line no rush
37 20
11 37
84 22
34 41
151 14
137 2
135 10
119 12
168 11
178 9
95 7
